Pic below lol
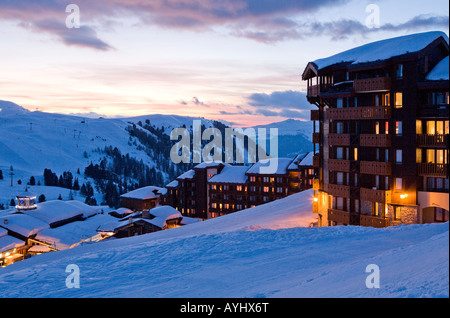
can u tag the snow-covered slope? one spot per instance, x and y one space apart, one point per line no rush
261 252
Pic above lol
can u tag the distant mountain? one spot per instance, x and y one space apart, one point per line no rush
126 151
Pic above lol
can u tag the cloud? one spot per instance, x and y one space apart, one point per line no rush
84 36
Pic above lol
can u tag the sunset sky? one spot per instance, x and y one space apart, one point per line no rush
236 60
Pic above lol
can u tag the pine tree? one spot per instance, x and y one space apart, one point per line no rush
41 198
60 197
32 181
1 175
12 203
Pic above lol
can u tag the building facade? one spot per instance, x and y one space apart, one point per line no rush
381 132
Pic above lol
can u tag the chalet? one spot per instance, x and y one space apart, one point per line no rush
381 132
143 222
10 248
141 199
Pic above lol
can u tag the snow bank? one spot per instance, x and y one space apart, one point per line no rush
226 257
23 224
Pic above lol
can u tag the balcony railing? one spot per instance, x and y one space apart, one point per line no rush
316 138
339 139
373 221
432 169
359 113
339 216
313 90
432 141
316 184
378 84
373 195
375 140
376 168
316 161
339 165
338 190
315 114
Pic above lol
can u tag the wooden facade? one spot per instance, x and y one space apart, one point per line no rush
381 137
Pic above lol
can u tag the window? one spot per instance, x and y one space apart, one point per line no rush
340 128
252 179
339 153
239 188
272 179
398 184
279 190
340 178
418 155
265 179
339 103
418 127
398 128
398 156
399 71
440 215
266 189
397 213
387 99
398 100
377 127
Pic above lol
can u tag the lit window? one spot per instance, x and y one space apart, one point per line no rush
398 128
398 100
239 188
398 184
266 189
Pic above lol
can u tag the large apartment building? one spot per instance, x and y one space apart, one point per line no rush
214 189
381 132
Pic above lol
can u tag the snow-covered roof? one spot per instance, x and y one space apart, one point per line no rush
88 210
145 193
209 165
9 242
440 71
266 166
188 220
382 50
307 160
23 224
71 234
231 174
172 184
54 211
294 164
165 212
187 175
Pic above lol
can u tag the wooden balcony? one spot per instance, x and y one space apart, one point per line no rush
339 139
313 91
316 138
375 140
373 221
316 184
359 113
338 190
376 168
339 165
432 141
372 195
377 84
316 161
339 216
432 169
315 114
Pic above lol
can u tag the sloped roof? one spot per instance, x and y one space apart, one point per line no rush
440 71
382 50
264 166
231 174
187 175
145 193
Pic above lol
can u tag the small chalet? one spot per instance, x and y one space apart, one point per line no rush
142 198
